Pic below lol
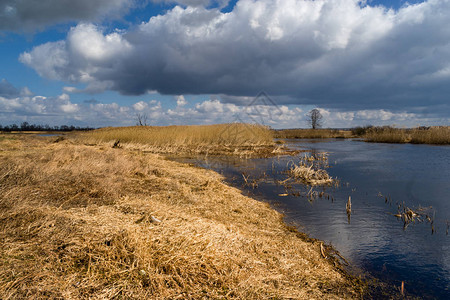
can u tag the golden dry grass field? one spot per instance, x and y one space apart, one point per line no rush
234 138
81 220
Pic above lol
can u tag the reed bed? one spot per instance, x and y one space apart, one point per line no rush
433 135
312 133
93 222
234 134
439 135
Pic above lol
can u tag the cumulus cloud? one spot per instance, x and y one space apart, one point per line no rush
336 54
194 3
181 101
7 90
61 110
31 15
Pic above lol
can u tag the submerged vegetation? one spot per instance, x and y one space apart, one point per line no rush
84 221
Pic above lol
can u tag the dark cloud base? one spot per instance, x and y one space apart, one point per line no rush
333 54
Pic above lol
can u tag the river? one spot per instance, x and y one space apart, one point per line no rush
383 180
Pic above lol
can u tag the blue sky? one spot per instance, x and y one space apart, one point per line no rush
101 62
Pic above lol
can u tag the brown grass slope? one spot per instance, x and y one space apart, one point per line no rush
80 222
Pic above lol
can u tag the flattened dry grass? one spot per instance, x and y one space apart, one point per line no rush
76 223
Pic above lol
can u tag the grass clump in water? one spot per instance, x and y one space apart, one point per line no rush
310 170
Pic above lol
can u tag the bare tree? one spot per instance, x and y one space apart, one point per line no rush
141 119
315 118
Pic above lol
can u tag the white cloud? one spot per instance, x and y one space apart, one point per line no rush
140 106
335 54
181 101
194 3
61 110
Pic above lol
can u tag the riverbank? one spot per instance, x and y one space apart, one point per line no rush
92 221
435 135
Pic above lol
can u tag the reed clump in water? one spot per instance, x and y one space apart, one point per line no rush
310 176
309 170
421 135
421 214
93 222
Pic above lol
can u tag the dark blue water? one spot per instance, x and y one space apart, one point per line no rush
379 178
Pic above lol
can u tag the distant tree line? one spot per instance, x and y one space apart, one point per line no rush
25 126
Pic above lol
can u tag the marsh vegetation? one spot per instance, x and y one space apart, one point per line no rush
439 135
84 221
234 138
312 133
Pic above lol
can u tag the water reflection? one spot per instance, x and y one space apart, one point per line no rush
382 180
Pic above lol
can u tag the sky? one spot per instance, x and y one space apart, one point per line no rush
102 62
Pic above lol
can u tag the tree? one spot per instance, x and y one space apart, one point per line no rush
315 118
141 119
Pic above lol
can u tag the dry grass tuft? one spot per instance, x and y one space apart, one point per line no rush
80 222
310 170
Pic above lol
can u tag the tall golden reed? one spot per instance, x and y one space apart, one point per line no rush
439 135
233 134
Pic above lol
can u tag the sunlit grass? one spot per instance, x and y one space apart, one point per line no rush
92 222
234 134
432 135
312 133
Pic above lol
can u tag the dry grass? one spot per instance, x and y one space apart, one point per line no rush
432 135
312 133
78 222
310 170
387 135
211 139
